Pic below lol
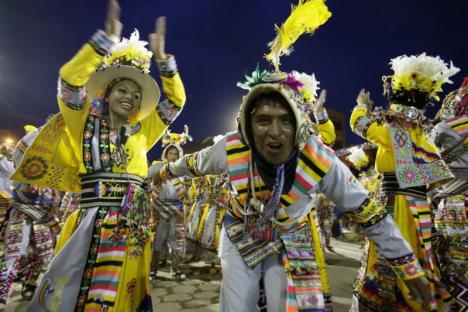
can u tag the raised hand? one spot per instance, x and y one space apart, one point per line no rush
113 26
157 40
364 99
320 102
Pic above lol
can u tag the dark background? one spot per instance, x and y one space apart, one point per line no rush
216 42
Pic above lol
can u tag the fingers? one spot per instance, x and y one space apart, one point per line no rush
160 27
323 96
113 25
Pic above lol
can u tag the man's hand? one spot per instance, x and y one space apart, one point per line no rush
364 99
113 26
157 40
420 291
320 102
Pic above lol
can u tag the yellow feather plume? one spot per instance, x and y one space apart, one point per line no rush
305 18
29 128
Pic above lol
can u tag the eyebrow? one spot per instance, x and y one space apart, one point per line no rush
263 115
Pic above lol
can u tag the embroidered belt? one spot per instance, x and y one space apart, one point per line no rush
106 189
390 186
254 251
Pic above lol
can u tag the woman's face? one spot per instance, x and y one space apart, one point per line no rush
124 99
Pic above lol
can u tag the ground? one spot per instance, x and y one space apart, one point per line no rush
199 292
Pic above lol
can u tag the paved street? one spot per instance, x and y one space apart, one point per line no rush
199 292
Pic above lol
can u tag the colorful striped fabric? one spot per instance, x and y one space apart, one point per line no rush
304 287
314 161
459 124
421 212
109 259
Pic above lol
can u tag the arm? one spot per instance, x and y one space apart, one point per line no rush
324 124
378 226
71 97
326 131
364 125
211 160
168 109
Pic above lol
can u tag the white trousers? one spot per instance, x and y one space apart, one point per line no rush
240 288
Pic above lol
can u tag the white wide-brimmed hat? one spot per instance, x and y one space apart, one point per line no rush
128 59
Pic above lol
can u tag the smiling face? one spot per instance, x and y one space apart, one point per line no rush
273 128
124 99
172 154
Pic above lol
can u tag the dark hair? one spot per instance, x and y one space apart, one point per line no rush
414 98
254 103
112 84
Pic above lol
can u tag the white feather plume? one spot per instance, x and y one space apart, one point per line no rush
431 67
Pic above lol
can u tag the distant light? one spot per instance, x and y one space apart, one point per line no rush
9 141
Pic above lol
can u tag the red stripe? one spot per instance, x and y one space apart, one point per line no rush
116 248
239 176
233 138
303 182
106 287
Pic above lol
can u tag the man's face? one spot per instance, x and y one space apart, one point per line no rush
124 99
273 131
172 154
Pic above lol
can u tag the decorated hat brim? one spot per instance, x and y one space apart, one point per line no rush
150 92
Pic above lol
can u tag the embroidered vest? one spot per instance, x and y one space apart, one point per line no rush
413 165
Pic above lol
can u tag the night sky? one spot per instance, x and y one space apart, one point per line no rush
216 42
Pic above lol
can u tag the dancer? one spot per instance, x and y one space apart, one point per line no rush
110 116
29 233
169 209
451 219
410 164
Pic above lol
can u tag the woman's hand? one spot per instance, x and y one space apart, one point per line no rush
157 40
113 26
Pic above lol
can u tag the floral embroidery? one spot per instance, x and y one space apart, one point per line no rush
168 111
34 168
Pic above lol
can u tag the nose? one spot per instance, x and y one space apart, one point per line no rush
275 129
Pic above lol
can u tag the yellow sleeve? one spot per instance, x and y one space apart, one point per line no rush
327 132
168 109
367 128
72 99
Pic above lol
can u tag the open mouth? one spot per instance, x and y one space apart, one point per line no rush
275 147
126 106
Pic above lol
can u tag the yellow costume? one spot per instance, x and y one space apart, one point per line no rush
103 254
410 164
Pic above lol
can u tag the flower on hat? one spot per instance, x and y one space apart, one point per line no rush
421 73
301 86
130 51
